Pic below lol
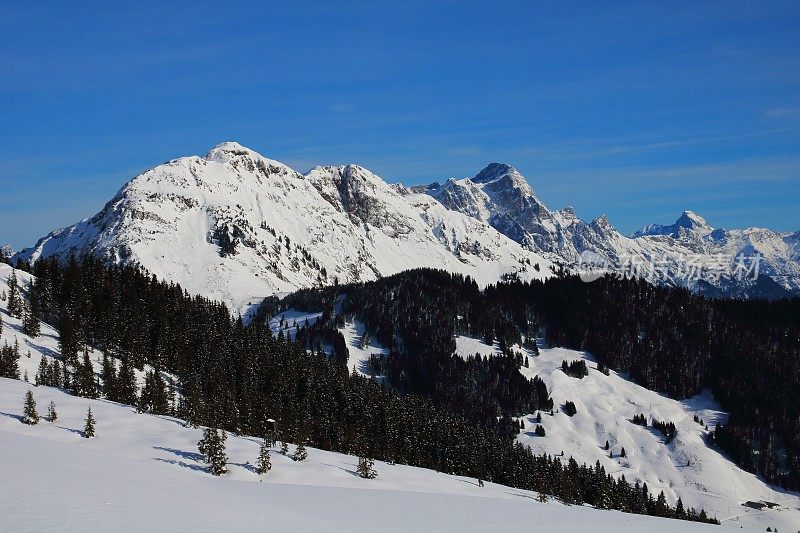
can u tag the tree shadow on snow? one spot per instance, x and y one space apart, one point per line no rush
197 468
44 350
71 430
351 472
246 466
9 415
192 456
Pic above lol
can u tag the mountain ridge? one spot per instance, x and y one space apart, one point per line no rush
500 196
236 226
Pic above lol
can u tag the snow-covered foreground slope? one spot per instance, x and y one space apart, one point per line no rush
143 473
686 467
236 226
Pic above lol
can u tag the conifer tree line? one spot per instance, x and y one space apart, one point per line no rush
668 340
234 377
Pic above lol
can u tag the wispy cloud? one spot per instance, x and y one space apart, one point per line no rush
782 112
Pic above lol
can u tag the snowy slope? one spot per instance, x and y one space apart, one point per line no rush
685 468
499 195
143 473
236 226
291 320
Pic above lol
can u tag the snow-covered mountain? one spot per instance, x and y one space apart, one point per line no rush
688 253
236 226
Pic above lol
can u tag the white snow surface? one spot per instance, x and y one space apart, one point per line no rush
143 473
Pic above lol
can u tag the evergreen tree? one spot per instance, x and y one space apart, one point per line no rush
212 445
264 463
680 512
109 377
9 361
30 416
204 444
30 322
15 305
88 428
126 383
65 374
85 384
284 448
366 468
55 374
52 415
68 342
154 394
42 373
300 452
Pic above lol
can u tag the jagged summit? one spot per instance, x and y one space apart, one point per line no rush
492 172
236 226
500 196
689 221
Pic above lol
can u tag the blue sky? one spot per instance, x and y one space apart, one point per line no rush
636 110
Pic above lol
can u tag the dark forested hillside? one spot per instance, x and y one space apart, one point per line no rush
235 376
668 340
746 352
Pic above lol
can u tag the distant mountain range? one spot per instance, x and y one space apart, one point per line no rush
236 226
688 253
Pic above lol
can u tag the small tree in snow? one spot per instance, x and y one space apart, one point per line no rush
366 468
52 416
264 463
29 410
212 445
284 447
88 428
300 453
